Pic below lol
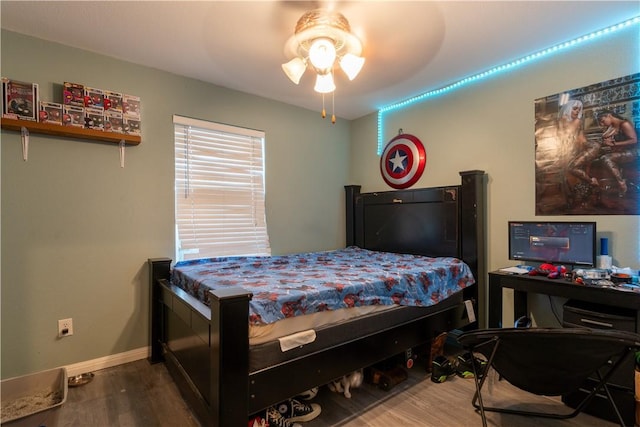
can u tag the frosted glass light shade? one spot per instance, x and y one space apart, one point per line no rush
322 54
351 65
294 69
324 83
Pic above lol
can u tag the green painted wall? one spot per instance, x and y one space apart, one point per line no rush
77 229
489 125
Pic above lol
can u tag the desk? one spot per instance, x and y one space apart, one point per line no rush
522 285
525 284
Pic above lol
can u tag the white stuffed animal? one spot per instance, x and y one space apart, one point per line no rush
346 383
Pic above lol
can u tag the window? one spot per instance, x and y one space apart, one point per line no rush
220 192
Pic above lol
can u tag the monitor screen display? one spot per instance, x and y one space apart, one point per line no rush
556 242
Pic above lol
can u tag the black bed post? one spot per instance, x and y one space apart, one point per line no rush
473 206
351 193
229 336
158 269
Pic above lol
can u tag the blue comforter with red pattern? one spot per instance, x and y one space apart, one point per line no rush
292 285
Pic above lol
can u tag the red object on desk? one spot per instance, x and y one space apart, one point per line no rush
549 270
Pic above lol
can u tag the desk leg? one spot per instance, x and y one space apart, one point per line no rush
519 305
495 302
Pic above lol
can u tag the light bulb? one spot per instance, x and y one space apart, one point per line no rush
322 54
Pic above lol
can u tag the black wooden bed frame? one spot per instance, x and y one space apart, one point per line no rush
206 349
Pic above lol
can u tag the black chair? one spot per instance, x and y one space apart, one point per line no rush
550 362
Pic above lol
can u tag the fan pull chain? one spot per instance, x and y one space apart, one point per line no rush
324 112
333 108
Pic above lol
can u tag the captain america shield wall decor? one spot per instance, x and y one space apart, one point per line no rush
403 161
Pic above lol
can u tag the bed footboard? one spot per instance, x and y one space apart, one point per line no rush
229 344
206 352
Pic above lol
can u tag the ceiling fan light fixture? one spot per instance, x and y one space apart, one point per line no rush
351 65
294 69
324 83
322 38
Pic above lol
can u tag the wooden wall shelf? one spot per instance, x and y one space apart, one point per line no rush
70 131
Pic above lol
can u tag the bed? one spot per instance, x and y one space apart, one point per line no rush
216 357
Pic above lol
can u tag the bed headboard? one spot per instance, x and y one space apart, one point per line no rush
422 222
438 221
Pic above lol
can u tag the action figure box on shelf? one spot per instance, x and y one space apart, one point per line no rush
19 100
94 118
113 121
131 106
50 112
93 98
73 116
131 126
112 101
73 94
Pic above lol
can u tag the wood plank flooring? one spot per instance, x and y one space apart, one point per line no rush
421 402
134 394
139 394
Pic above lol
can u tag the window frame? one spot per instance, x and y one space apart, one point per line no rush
219 190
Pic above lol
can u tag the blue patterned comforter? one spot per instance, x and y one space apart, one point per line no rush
292 285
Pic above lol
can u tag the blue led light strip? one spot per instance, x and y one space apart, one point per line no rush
494 70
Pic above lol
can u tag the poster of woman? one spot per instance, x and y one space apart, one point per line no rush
587 157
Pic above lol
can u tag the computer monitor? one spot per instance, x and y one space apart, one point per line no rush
555 242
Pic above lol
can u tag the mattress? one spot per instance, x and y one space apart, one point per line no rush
289 327
328 335
302 292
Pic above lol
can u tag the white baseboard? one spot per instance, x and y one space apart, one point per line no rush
107 361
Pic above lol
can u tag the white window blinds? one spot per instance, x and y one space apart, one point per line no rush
220 192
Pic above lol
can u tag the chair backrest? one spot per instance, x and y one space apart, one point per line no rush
549 361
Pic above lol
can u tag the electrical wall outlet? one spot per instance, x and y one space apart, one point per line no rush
65 327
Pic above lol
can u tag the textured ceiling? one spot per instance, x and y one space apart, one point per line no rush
410 47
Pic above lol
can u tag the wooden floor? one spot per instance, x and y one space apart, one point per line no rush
135 394
141 394
421 402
